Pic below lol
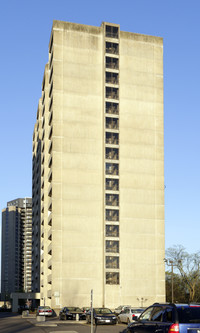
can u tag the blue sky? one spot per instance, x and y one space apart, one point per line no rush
25 32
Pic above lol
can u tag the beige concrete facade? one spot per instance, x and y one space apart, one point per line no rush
98 169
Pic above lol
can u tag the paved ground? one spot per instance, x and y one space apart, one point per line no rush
14 323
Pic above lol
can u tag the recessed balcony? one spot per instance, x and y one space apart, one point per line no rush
112 93
112 138
112 63
112 48
112 215
112 108
112 184
112 78
112 123
112 153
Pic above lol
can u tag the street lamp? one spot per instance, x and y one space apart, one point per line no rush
171 263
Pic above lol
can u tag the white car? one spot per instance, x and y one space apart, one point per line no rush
44 311
121 308
129 314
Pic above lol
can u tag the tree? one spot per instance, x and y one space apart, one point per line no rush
188 266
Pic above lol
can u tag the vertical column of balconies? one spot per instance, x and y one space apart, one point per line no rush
50 161
36 198
111 154
42 189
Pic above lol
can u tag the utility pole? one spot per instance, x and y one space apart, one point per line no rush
171 264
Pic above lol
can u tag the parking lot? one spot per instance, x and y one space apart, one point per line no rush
14 323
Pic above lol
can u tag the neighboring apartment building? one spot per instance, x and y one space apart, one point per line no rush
16 248
98 169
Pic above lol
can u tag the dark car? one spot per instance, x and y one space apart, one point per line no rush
101 316
167 318
71 313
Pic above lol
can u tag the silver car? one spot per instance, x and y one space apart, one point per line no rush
129 314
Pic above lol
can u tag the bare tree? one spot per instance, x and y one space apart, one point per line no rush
188 266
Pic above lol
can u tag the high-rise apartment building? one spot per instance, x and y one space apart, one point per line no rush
98 169
16 254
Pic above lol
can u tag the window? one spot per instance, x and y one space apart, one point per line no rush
112 278
146 314
157 314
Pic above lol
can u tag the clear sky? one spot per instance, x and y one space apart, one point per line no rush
25 27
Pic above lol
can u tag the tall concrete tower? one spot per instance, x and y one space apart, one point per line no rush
98 169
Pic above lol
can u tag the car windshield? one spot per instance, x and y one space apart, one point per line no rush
189 314
102 310
44 307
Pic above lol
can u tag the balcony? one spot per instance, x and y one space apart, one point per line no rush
112 231
50 234
50 117
50 190
112 200
112 93
112 63
112 153
112 138
112 246
112 108
49 264
112 184
112 123
112 48
49 278
50 204
112 32
112 262
112 215
49 293
50 176
112 78
50 249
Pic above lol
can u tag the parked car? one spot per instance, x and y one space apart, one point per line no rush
167 318
44 311
85 309
101 316
129 314
121 308
70 313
